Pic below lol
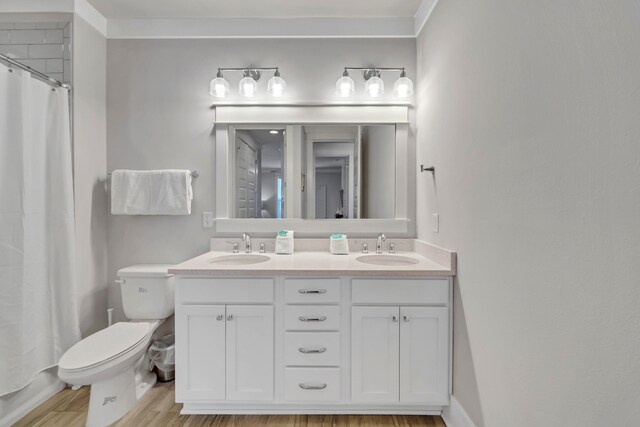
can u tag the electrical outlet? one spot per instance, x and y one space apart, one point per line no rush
207 219
435 222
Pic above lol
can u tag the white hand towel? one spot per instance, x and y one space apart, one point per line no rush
154 192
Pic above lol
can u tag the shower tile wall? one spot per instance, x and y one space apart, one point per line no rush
43 46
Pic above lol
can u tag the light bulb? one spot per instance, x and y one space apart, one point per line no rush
345 86
403 87
248 87
374 87
276 85
219 87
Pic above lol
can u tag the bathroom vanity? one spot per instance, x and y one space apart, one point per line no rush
315 333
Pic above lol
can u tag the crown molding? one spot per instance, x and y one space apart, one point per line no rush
422 14
403 27
81 8
261 28
36 6
90 14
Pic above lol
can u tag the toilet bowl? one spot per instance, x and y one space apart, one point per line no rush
114 360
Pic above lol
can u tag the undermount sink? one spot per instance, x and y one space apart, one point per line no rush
392 260
239 259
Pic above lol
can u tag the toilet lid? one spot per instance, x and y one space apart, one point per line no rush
104 345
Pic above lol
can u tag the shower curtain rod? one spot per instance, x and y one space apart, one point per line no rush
49 80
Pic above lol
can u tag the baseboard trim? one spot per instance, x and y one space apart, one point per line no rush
29 404
455 416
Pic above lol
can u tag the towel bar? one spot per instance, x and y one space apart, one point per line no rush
194 174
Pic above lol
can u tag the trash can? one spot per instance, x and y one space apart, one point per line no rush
163 361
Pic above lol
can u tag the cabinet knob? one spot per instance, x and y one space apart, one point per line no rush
219 317
394 318
230 317
405 318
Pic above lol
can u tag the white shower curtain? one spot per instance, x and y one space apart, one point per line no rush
38 305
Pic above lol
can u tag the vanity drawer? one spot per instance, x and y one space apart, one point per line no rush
312 291
312 384
228 291
312 348
400 291
312 318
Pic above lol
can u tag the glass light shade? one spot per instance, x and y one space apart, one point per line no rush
345 86
219 87
248 87
276 86
374 87
403 87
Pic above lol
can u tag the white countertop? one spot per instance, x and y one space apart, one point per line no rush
310 264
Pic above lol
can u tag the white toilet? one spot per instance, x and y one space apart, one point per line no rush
114 361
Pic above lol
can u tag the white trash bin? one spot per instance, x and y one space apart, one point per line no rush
162 354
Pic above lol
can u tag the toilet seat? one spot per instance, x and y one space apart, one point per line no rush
105 345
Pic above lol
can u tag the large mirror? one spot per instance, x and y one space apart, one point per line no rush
313 171
258 173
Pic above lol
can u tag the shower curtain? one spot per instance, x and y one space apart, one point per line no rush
38 302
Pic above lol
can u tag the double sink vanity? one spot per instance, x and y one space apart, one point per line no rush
313 332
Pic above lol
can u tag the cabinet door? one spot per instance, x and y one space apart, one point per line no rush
424 355
375 344
250 352
200 355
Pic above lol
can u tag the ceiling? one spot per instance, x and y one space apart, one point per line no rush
149 9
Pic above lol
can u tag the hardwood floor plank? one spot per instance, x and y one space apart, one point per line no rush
158 409
59 400
62 419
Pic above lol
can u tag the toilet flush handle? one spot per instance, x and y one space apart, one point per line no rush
119 281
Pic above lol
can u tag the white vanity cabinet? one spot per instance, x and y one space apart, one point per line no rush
400 341
313 344
400 354
224 352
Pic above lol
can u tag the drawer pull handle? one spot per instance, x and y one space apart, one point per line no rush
313 350
312 387
312 319
312 291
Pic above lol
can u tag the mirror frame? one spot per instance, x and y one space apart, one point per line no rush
229 118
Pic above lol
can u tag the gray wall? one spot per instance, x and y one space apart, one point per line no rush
159 116
90 167
378 172
529 112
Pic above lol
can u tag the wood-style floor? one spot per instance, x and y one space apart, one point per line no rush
158 408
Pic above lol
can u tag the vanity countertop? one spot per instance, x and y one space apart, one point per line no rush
310 264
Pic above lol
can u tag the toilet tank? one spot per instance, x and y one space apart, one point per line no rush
147 291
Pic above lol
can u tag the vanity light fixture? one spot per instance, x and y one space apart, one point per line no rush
219 87
273 132
374 85
276 85
248 86
403 87
345 86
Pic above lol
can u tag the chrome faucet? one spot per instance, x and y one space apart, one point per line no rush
381 238
247 243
